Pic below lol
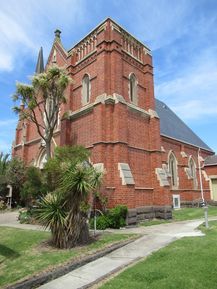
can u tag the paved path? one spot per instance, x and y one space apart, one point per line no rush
154 238
10 219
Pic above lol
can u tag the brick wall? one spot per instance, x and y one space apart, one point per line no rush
182 153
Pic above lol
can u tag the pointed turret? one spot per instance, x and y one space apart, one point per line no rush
40 62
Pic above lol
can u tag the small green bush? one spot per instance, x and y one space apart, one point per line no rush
102 222
2 205
27 216
117 217
24 217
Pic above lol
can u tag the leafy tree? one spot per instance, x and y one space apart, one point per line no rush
4 161
15 173
41 102
15 176
33 187
64 210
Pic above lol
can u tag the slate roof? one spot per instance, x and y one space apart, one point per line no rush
173 127
211 160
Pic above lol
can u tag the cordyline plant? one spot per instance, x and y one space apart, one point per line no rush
41 102
65 210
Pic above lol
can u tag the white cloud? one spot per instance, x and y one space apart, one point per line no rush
6 60
13 40
12 32
25 26
194 109
192 92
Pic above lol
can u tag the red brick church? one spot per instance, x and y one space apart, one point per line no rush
148 154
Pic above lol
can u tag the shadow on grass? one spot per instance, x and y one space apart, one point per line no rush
7 253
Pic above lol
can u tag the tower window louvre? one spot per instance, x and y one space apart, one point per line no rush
85 89
133 88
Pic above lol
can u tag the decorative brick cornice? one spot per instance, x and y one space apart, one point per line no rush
80 112
153 113
111 99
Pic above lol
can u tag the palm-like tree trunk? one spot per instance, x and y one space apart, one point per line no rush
77 227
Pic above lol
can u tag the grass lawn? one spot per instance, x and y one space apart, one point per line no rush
184 214
193 213
189 263
25 252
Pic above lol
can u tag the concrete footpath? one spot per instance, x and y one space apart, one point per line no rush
10 219
154 238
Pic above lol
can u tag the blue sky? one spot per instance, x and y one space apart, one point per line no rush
181 34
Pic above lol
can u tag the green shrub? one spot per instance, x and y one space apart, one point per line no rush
102 222
4 161
33 187
24 217
117 217
2 205
27 216
15 176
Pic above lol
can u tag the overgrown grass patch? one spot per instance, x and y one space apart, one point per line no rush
27 252
189 263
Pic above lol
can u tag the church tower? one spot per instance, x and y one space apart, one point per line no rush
110 110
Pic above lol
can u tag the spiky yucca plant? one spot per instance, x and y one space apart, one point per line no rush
52 214
63 210
76 183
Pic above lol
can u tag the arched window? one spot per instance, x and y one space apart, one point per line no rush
173 170
42 159
133 88
192 172
85 89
